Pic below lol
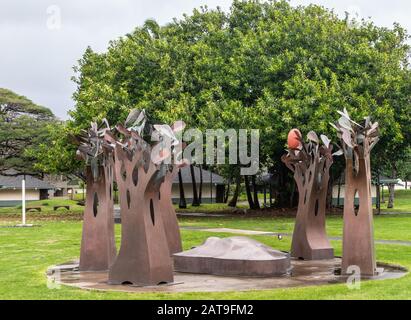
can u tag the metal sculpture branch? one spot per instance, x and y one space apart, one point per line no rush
310 162
358 236
98 249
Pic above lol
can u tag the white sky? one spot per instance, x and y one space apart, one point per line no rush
37 61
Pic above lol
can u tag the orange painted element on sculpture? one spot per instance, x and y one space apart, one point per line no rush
294 139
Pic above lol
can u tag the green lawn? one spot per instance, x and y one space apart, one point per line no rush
25 254
402 201
402 204
46 206
387 227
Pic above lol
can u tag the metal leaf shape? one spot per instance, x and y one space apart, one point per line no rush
325 140
334 126
340 152
165 130
373 128
136 120
178 126
133 116
313 137
345 123
374 143
346 136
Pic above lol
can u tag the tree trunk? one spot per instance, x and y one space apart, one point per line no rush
248 191
282 192
391 189
182 203
255 200
382 194
200 191
227 192
233 201
195 202
378 198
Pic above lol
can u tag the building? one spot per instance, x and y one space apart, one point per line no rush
10 189
65 186
213 186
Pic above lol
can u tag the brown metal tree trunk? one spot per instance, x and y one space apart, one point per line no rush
169 215
358 233
144 257
310 240
98 249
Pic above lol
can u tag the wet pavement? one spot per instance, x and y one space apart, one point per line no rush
304 273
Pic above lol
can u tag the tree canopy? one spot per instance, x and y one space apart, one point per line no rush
22 128
264 65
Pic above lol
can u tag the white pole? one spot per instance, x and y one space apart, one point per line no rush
23 199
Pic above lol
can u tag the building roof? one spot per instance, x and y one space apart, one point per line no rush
14 182
207 176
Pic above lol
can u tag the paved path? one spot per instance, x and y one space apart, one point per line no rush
268 233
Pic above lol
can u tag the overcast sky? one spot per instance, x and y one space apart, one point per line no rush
38 50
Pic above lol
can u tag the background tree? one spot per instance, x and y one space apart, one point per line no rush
264 65
22 128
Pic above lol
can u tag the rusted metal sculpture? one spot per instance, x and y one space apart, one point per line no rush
98 249
310 162
358 235
166 135
169 214
144 256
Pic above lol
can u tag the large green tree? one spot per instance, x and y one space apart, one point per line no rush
265 65
22 128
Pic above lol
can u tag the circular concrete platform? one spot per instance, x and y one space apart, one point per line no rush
304 273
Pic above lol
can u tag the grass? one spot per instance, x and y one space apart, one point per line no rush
46 206
387 227
402 204
25 255
402 201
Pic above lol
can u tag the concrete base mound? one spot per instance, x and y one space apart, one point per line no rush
233 256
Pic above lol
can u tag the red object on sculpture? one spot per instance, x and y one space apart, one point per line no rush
294 139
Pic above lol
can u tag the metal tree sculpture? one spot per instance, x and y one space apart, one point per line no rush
310 163
144 257
358 235
168 141
98 249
